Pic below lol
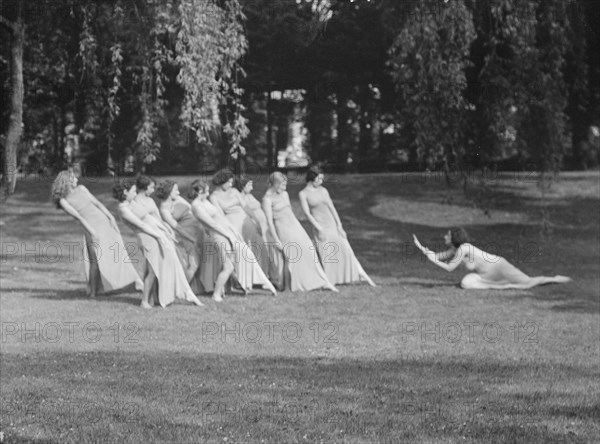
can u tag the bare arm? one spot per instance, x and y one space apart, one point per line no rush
202 215
166 215
161 223
172 222
102 208
248 211
68 208
433 257
334 213
306 210
132 218
267 207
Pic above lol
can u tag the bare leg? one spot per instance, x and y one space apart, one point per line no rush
94 273
221 280
149 280
473 281
541 280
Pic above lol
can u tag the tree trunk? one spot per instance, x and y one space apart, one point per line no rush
15 128
269 132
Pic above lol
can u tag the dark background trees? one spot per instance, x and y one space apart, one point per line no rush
185 86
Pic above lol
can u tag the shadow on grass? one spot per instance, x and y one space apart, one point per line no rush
177 397
79 294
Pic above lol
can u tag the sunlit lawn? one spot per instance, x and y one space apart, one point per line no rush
415 360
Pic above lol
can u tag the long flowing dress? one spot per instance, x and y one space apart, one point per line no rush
339 262
116 269
302 265
244 226
190 252
171 281
274 257
247 271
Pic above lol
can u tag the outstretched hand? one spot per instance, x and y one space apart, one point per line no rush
417 243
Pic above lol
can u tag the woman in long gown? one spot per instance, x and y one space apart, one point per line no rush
489 271
302 270
107 263
228 246
145 187
338 259
243 221
164 278
177 212
275 259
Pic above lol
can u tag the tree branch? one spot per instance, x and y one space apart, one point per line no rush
10 25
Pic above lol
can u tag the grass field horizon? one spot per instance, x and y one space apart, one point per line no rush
416 359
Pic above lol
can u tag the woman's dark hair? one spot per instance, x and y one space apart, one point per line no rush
120 188
459 236
241 182
143 182
163 189
198 186
312 173
222 176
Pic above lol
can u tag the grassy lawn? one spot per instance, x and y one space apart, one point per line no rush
415 360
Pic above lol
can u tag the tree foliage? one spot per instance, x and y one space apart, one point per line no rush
428 63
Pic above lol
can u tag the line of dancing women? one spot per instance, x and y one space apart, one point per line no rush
227 241
224 241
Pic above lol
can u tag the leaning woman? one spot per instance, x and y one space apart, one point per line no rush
107 263
164 278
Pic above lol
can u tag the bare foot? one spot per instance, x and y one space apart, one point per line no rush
145 305
217 298
562 279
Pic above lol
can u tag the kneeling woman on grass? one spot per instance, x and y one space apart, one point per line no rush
488 270
163 274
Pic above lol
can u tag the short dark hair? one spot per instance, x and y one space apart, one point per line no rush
143 182
120 188
222 176
198 186
241 182
163 189
459 236
312 173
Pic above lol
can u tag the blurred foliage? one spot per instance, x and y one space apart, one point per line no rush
184 86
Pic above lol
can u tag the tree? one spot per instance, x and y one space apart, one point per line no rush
428 60
16 28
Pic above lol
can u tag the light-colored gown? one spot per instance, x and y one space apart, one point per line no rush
171 281
116 269
244 225
247 271
339 262
274 257
301 260
190 252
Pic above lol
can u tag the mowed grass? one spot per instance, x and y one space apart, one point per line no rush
415 360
